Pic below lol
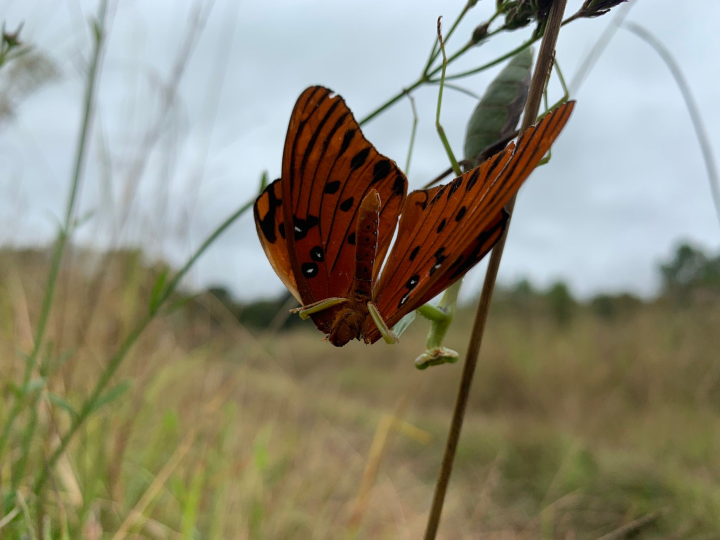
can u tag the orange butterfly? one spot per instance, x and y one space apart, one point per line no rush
327 224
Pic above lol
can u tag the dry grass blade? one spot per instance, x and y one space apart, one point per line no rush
632 527
157 484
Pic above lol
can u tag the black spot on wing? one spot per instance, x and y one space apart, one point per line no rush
439 259
302 226
346 204
412 282
454 186
316 254
332 187
473 179
281 228
441 226
347 139
438 194
475 256
414 253
359 159
267 225
398 186
381 170
351 239
461 213
309 270
404 299
495 162
334 129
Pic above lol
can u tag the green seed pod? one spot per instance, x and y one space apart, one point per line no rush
496 116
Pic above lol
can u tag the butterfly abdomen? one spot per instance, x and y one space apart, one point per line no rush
366 242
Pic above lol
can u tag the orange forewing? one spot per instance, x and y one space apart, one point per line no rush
328 169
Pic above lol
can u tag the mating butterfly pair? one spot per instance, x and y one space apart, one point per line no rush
327 223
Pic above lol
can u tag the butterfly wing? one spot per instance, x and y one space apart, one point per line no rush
269 221
451 227
328 168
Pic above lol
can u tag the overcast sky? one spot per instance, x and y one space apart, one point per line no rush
625 185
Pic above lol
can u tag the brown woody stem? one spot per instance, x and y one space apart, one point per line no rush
542 71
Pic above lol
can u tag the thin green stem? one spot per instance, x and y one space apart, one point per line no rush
389 103
435 51
440 130
117 359
563 84
458 88
412 134
495 62
425 77
65 232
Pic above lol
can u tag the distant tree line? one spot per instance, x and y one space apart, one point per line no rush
690 277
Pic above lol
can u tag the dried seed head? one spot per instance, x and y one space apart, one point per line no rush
12 39
595 8
479 33
520 13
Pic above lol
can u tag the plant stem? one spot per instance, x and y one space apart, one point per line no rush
412 135
691 105
542 70
389 103
65 232
434 52
425 77
438 125
127 344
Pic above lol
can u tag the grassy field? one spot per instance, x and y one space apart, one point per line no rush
599 427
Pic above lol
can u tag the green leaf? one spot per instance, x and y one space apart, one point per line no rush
496 116
111 395
63 404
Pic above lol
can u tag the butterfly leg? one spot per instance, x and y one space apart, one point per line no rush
387 334
306 311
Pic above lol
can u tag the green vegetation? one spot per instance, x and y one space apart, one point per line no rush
582 420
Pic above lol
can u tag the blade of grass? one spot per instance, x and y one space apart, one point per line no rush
412 135
542 71
438 125
157 484
692 107
63 237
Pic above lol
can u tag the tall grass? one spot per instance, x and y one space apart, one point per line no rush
577 428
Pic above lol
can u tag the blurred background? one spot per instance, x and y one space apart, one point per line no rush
595 408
